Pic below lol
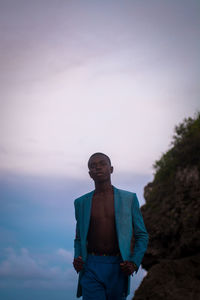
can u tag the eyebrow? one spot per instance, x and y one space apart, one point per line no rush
102 160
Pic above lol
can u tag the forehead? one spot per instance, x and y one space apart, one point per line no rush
97 158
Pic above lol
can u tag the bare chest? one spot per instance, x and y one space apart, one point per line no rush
103 207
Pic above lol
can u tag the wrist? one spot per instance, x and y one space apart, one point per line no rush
134 267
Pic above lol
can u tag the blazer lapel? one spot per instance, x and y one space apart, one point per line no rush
117 208
87 213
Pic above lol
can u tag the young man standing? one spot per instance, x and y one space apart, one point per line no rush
107 220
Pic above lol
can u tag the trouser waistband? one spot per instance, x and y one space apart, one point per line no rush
104 254
108 259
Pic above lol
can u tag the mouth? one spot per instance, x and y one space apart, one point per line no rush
99 174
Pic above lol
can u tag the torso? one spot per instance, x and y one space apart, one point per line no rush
102 236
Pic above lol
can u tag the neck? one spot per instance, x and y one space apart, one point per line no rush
103 187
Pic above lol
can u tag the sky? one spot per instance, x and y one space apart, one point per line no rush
79 77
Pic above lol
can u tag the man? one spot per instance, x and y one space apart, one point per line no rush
107 220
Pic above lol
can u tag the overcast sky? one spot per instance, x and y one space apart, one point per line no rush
79 77
85 76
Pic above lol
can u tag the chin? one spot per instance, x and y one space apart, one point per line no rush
103 179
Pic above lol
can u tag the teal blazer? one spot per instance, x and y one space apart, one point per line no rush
129 222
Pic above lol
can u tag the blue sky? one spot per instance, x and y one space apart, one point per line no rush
79 77
37 233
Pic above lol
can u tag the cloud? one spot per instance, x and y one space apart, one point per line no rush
23 269
21 266
67 255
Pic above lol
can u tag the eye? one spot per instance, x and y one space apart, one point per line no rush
92 166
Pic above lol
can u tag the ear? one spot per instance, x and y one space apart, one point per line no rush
111 169
89 174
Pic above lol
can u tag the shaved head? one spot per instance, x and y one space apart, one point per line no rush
99 153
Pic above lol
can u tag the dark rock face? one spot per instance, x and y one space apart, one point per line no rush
172 218
176 279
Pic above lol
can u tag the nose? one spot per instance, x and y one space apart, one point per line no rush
98 167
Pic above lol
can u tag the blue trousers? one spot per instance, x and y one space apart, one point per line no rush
103 279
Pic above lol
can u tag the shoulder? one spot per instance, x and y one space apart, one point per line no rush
129 197
82 198
125 193
126 196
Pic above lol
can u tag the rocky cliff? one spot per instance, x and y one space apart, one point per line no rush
172 218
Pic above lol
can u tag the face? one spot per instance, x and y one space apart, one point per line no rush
100 168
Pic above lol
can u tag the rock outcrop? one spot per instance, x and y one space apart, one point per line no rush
172 218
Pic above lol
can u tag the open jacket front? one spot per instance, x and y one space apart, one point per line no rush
128 220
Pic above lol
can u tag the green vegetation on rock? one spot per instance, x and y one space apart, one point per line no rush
185 150
172 218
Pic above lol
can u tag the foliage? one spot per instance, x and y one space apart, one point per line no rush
185 150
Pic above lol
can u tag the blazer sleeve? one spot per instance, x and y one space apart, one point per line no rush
77 240
140 233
